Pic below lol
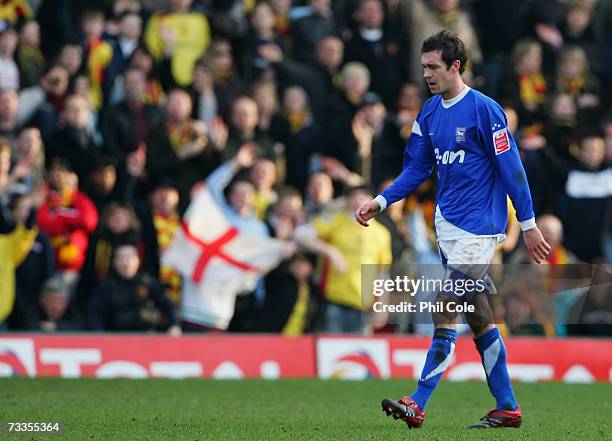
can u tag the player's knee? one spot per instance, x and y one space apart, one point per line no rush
443 318
481 328
480 319
444 334
478 328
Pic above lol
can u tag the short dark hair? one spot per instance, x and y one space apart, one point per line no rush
451 47
58 163
588 133
241 177
92 14
126 13
288 192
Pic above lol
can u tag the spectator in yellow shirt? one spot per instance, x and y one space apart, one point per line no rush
15 244
345 246
181 36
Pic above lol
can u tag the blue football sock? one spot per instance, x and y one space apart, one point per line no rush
438 358
493 353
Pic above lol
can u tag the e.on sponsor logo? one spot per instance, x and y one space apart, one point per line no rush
448 157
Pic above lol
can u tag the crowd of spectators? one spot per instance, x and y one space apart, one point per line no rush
113 111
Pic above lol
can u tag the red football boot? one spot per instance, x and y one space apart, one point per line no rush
406 410
500 418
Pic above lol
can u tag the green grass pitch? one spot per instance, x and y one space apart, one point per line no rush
310 410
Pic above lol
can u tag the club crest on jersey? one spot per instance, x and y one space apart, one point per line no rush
501 141
460 134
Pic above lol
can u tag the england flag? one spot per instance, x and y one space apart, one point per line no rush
217 261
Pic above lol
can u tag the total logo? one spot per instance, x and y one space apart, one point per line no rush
21 357
448 157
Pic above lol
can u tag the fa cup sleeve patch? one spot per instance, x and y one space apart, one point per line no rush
501 141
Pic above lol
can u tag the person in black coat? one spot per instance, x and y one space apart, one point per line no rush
319 79
108 183
387 145
129 300
124 44
338 139
293 304
262 32
118 226
180 149
128 124
307 31
73 142
583 205
383 53
302 137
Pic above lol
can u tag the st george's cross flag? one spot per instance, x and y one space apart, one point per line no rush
217 261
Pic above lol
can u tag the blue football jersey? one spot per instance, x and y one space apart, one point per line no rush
477 161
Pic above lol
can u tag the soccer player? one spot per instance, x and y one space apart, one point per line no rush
465 134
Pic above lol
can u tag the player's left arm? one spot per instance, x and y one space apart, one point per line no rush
505 156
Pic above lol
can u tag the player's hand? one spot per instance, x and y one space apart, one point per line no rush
366 212
537 247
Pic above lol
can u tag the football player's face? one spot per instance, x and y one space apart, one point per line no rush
435 72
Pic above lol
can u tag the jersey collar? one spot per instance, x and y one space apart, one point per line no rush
450 103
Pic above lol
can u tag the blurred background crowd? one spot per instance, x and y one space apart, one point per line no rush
113 111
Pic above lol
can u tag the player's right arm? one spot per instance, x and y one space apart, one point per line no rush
418 164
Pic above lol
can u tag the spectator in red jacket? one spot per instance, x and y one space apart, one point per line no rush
68 217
